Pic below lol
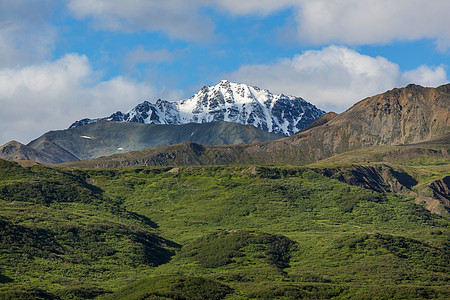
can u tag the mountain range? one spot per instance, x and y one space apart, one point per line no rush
401 116
226 113
226 101
106 138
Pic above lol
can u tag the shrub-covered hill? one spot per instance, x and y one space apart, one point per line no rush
213 232
62 235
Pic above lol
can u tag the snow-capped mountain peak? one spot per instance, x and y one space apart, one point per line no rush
225 101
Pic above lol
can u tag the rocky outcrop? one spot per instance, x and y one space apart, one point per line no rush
441 191
380 178
383 178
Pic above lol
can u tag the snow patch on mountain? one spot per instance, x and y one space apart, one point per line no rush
226 101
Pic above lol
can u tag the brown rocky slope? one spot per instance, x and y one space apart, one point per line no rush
401 116
16 151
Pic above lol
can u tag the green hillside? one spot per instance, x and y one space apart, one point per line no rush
233 232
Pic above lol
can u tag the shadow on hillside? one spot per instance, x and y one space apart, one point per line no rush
143 219
404 178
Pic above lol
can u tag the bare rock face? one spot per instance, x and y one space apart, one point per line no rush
380 178
405 116
383 178
441 191
321 120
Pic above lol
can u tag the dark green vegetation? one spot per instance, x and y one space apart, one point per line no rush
220 232
174 287
219 249
58 230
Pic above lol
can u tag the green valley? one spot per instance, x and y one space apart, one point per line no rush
233 232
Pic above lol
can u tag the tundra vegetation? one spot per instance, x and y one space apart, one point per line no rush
215 232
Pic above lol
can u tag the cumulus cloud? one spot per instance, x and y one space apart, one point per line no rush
178 18
426 76
369 22
357 22
319 22
25 36
51 95
335 77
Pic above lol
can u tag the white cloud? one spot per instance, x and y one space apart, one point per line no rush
178 18
52 95
372 22
358 22
25 36
319 22
335 77
426 76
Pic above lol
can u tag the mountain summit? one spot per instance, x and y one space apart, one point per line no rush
225 101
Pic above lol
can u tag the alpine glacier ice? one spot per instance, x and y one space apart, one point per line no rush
226 101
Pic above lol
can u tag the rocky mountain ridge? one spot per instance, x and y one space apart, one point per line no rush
226 101
401 116
408 115
107 138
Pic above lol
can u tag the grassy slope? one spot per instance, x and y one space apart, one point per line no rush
91 231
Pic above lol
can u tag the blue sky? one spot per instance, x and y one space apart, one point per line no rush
65 60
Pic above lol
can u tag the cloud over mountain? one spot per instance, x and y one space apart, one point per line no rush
41 97
335 77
